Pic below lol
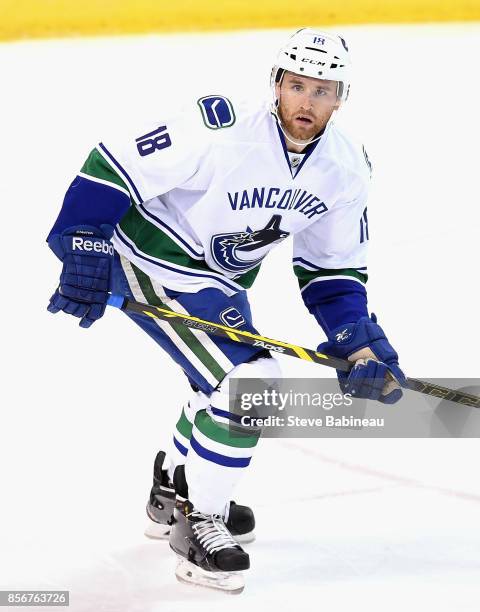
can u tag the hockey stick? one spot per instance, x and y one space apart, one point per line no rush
285 348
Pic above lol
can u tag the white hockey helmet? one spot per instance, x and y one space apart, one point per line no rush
313 53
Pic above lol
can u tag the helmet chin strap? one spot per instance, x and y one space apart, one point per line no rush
298 143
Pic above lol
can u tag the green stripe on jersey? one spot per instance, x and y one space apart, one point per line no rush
246 280
98 167
185 334
184 426
221 433
151 240
305 276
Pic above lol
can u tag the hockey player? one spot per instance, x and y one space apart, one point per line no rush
181 214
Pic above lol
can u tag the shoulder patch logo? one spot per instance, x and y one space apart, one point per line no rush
217 112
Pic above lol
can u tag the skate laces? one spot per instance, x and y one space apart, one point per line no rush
211 532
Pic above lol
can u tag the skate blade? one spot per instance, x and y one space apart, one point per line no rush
227 582
157 531
245 538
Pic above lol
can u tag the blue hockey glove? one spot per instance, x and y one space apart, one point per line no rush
87 257
368 378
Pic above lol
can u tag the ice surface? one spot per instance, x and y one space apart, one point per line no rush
342 524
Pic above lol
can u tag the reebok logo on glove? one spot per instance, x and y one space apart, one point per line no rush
80 244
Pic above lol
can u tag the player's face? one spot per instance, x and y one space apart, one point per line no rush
305 104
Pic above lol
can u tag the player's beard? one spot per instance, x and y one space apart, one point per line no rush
303 130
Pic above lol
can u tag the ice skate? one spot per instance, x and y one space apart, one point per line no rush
208 555
160 503
239 519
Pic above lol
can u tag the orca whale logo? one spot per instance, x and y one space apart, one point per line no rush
242 251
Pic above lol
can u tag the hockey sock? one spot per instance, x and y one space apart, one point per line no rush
218 454
183 431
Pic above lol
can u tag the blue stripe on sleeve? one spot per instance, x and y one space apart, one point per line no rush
90 203
116 164
335 302
309 264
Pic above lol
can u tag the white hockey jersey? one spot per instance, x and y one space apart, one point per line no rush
213 190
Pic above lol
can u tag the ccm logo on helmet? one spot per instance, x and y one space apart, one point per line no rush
310 61
80 244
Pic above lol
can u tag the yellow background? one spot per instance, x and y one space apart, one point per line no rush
58 18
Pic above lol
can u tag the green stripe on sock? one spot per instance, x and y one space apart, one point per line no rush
98 167
184 426
221 433
305 276
185 334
